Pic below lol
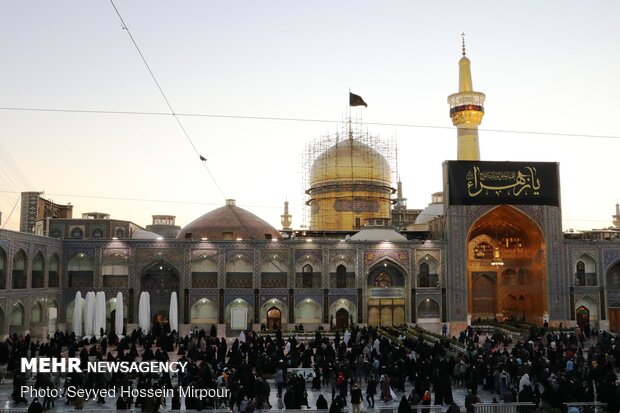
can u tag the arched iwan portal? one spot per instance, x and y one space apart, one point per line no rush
160 279
506 267
386 294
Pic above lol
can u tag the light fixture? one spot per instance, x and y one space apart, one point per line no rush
114 238
205 239
510 242
308 239
239 239
497 259
160 238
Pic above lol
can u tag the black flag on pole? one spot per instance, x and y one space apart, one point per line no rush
356 100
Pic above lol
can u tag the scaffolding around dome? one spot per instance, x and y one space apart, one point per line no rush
348 178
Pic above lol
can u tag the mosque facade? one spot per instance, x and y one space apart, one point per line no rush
489 246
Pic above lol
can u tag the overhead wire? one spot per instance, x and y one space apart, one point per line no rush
12 182
161 91
178 115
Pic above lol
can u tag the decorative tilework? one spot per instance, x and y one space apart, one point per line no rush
373 256
273 280
232 294
335 255
247 255
202 253
610 257
315 253
265 297
110 252
333 297
317 296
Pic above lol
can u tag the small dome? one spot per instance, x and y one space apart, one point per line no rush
229 223
350 159
429 213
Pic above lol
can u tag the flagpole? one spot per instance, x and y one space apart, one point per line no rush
350 134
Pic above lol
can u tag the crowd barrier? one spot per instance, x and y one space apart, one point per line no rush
584 407
504 407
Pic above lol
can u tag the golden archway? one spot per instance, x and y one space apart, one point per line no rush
506 267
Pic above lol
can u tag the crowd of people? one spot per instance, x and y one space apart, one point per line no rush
360 367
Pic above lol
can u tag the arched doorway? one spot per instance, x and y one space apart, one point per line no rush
204 311
483 296
342 319
506 267
274 318
238 313
386 302
113 321
583 316
160 279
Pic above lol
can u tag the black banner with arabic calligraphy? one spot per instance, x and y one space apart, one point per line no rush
495 183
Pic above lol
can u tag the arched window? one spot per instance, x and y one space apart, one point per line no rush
19 270
341 276
17 315
585 272
37 271
2 270
581 273
307 275
424 281
483 251
53 272
36 313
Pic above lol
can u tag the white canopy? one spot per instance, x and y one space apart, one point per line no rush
118 320
144 311
173 316
100 313
78 309
89 314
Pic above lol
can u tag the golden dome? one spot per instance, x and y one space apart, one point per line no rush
350 160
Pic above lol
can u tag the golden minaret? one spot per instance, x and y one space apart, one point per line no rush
286 219
466 111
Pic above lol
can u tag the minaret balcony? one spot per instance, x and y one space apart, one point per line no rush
466 98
